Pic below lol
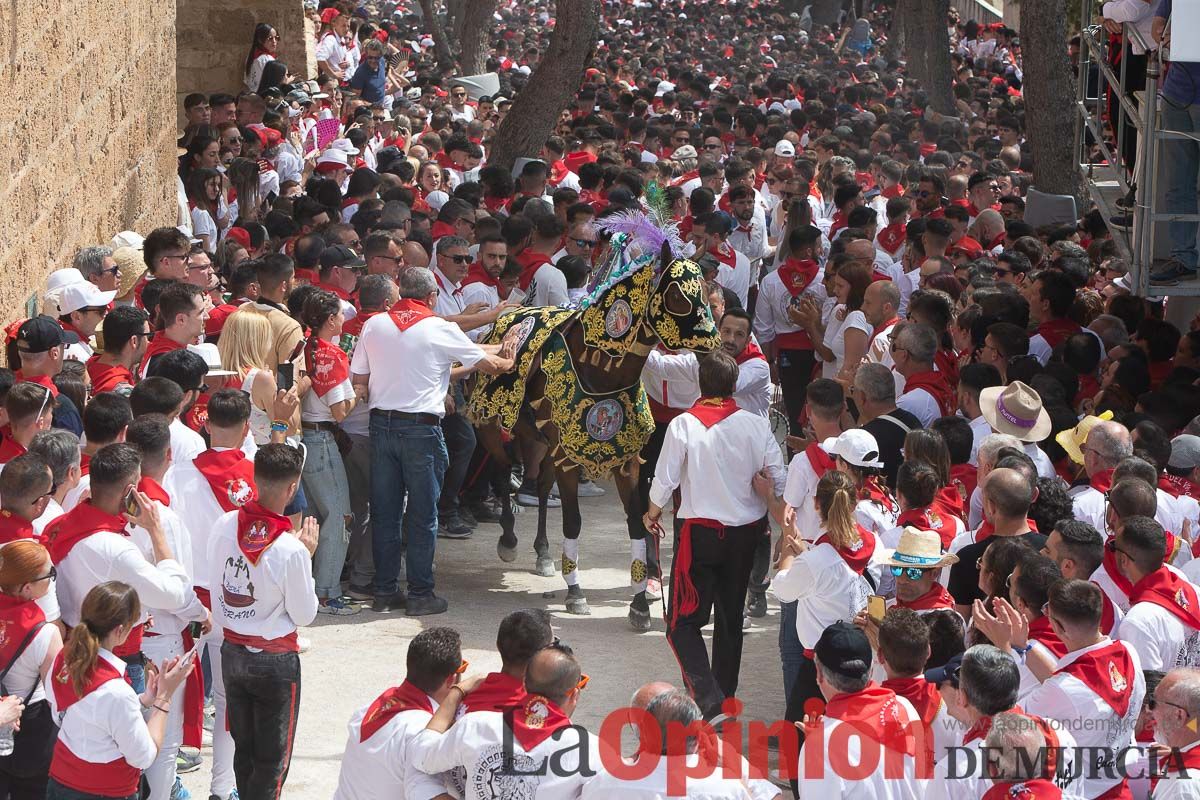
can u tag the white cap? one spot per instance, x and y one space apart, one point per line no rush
524 69
427 41
127 239
82 295
345 145
334 156
212 357
63 277
785 148
855 446
437 199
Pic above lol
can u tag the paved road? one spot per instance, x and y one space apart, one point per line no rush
353 659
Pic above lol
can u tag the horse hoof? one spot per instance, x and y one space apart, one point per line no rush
578 606
545 567
639 620
507 554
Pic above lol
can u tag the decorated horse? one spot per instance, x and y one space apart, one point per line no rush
576 388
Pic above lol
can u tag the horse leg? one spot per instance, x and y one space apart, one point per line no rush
541 546
639 541
568 493
499 472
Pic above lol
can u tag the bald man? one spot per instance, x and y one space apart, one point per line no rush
865 252
1108 443
1176 708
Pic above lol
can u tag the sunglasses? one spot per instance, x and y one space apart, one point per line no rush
1111 546
110 270
712 147
588 243
458 259
49 576
912 573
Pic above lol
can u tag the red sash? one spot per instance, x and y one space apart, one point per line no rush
874 713
17 618
858 555
257 529
112 779
409 312
1109 672
154 490
76 525
935 599
1057 331
531 261
1041 632
1167 590
230 475
497 693
405 697
750 351
928 519
934 383
10 448
14 528
892 236
477 274
537 721
107 377
328 365
193 698
1037 789
820 461
711 410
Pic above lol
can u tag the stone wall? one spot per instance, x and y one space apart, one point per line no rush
215 37
87 128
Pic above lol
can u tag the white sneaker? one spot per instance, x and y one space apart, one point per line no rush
589 489
304 643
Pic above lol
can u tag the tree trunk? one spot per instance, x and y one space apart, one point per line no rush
474 35
454 16
825 12
1049 98
927 42
441 45
551 86
898 34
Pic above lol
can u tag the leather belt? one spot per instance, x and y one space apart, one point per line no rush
407 416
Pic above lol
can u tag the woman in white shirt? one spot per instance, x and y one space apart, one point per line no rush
842 342
27 653
107 733
263 50
328 402
204 188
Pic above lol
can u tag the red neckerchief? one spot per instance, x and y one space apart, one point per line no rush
1188 760
496 205
986 529
405 697
935 384
1036 789
936 598
64 690
197 416
531 261
409 312
17 618
160 344
442 287
964 478
1102 481
537 721
40 380
10 448
725 254
797 274
257 529
1177 486
880 329
928 519
858 555
945 361
1167 590
875 492
69 328
76 525
750 351
107 377
154 490
923 695
874 713
14 528
341 293
1041 632
820 461
949 502
895 190
1109 563
440 229
230 475
354 326
497 692
838 222
1109 672
711 410
559 171
477 274
327 364
1056 331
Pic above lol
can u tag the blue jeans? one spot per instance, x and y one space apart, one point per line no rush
1181 157
328 495
791 652
408 459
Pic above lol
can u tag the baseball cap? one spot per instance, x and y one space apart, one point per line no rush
84 294
1185 452
785 148
340 256
948 672
41 334
680 153
845 650
855 446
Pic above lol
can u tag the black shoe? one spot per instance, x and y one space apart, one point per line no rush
756 606
467 517
485 511
1127 202
424 606
1122 220
452 527
384 603
360 593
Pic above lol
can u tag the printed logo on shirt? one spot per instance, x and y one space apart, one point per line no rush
618 319
237 590
1181 600
604 420
1119 684
505 776
238 491
3 633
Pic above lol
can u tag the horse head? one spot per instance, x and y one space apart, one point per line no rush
678 311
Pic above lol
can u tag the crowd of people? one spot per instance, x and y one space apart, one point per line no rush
988 539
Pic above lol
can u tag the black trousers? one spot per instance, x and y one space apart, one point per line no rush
759 580
23 775
649 454
262 696
804 689
460 446
720 571
795 373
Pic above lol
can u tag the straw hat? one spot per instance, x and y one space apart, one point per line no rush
1017 410
1073 439
921 549
132 265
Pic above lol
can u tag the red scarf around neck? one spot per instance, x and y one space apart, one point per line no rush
497 692
1167 590
878 329
874 713
17 618
820 461
892 236
106 377
876 492
230 475
923 695
1057 331
1037 789
76 525
711 410
477 274
14 527
536 721
10 448
928 519
40 380
160 344
935 384
531 261
858 555
257 530
327 364
409 312
1041 632
405 697
154 490
1177 486
1109 672
949 502
797 275
1102 481
749 352
964 478
935 599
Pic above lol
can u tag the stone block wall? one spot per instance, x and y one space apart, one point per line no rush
88 129
215 37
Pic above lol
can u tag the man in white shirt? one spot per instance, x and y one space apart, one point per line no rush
972 380
735 273
81 308
172 394
60 449
266 592
927 394
1176 708
1017 410
723 523
1108 443
496 747
376 764
881 304
401 367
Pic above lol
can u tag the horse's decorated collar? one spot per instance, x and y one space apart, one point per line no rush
612 323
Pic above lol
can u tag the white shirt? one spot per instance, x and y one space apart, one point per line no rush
80 351
835 337
24 678
827 590
799 493
450 295
1089 504
186 444
770 309
1159 637
547 288
314 408
714 786
921 404
879 349
476 742
1045 467
193 500
735 448
331 50
1066 699
410 370
107 724
737 278
381 768
53 511
753 391
970 781
1173 786
751 243
1039 348
170 620
980 430
283 595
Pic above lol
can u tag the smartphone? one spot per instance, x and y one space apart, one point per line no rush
285 376
876 606
130 504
